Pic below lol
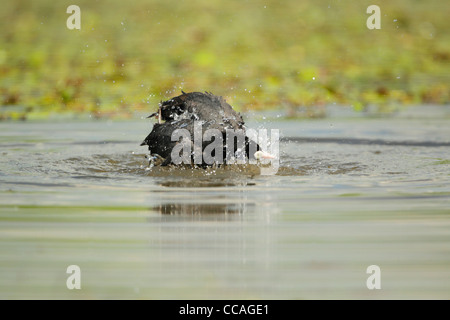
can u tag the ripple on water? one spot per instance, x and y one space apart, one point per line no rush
103 166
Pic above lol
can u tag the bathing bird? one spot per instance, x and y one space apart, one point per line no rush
199 111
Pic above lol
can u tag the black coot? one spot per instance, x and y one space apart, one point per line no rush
181 112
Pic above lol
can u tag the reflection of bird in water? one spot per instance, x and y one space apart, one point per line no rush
206 109
199 209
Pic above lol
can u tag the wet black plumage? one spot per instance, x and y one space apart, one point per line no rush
180 112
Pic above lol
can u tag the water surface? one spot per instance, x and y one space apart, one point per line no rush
350 193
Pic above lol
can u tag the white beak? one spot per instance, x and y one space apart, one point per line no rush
263 155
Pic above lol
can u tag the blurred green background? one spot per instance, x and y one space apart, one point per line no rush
258 54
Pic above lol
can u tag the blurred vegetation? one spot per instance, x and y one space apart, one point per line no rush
258 54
